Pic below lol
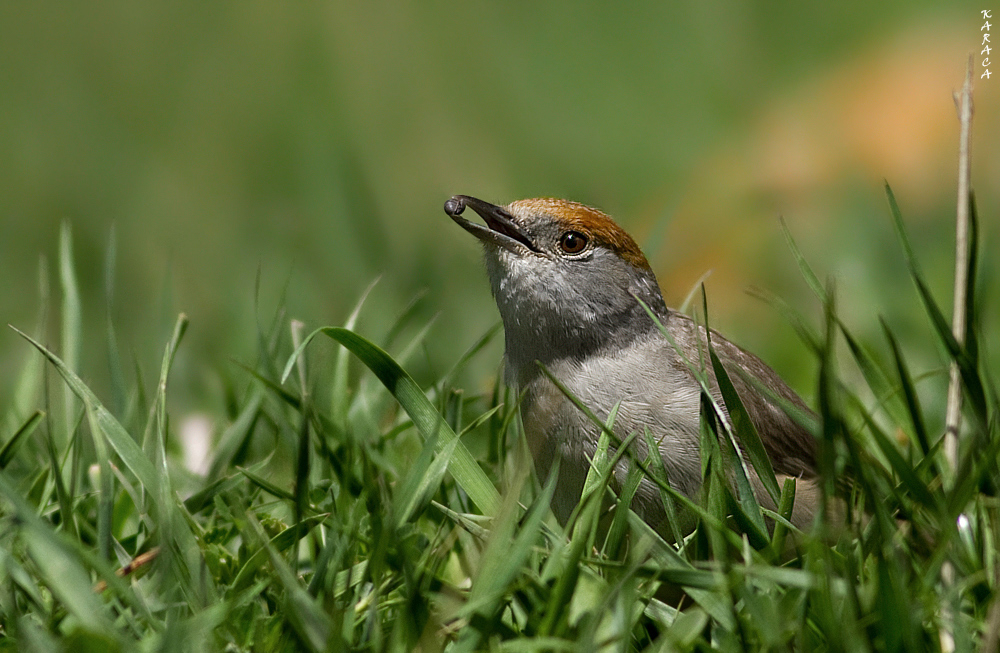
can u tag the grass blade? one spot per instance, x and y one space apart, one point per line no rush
339 394
68 580
744 429
914 411
72 330
10 447
804 268
120 440
106 489
967 365
429 422
280 542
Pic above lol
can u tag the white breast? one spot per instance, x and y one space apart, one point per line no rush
654 392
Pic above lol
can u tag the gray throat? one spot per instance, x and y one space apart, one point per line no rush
527 345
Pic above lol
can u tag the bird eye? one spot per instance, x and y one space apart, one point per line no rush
572 242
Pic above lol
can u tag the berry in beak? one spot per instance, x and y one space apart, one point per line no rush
501 229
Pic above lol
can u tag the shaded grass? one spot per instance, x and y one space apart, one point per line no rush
330 519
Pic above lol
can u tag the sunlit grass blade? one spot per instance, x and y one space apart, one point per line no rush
118 437
338 386
658 474
619 522
715 491
507 549
422 479
428 421
598 476
739 425
699 584
556 613
180 327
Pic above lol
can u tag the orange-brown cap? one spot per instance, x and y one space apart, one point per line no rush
596 225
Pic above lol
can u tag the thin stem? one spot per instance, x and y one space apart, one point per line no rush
953 416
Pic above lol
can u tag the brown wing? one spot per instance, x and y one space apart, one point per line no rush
791 448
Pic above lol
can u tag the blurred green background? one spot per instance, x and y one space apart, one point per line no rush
317 142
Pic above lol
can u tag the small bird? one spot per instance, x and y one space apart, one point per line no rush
567 280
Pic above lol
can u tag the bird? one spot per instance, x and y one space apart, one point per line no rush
572 288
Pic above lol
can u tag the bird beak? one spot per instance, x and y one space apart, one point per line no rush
501 229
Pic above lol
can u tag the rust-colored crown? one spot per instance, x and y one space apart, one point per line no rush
596 225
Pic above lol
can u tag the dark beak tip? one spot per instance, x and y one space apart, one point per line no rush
455 205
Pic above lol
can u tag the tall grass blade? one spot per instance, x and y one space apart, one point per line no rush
312 624
429 422
785 505
180 327
105 491
967 365
29 384
886 393
804 268
72 330
422 479
118 392
739 426
619 522
693 507
914 411
907 475
235 436
118 437
506 552
658 474
744 428
338 388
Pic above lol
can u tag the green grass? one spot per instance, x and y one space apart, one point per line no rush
346 507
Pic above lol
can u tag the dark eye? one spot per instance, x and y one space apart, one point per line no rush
572 242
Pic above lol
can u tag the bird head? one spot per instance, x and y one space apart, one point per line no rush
566 279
